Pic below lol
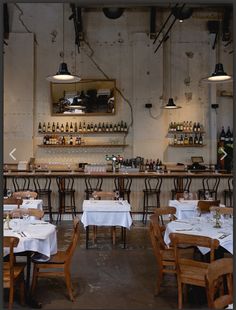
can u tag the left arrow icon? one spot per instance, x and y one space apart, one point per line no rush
11 154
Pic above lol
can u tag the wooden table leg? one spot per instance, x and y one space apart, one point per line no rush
124 238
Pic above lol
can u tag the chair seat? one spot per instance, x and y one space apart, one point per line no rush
58 258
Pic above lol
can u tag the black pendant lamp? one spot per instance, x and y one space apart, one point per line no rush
171 105
63 75
219 74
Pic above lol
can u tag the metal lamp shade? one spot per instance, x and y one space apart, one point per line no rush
219 74
63 75
171 105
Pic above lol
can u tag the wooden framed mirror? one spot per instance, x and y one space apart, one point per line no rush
87 97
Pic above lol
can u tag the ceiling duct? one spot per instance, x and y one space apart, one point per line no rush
113 13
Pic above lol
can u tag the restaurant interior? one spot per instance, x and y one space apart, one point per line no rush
118 155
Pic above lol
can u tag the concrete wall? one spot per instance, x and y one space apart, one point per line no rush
123 50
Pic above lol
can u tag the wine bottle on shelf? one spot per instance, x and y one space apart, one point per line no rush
175 140
75 127
67 127
58 128
71 127
45 140
53 127
184 126
191 139
187 126
198 127
91 127
122 126
115 128
222 134
181 126
99 127
111 128
71 140
228 135
186 141
63 141
118 126
200 140
181 139
49 129
80 127
84 127
125 127
194 127
44 127
88 128
195 139
40 128
95 128
190 126
103 127
107 127
62 128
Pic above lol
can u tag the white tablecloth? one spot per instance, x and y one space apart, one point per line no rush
202 226
106 213
185 209
27 203
41 237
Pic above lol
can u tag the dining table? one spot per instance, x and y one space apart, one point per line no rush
185 209
36 237
27 203
203 226
106 213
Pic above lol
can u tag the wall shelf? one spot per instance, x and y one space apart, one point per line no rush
81 146
83 133
186 145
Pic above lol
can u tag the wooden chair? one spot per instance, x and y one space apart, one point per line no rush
123 185
13 201
223 210
209 184
165 211
152 189
106 196
92 184
59 264
25 195
181 184
191 271
228 193
13 272
37 213
164 255
21 183
204 205
219 283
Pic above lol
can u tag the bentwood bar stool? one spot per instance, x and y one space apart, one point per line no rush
228 193
92 184
66 193
181 184
152 189
123 185
210 185
43 188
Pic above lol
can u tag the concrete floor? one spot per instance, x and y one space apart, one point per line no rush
110 277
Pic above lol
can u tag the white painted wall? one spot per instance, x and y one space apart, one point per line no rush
124 51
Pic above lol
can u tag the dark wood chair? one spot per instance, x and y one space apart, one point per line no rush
37 213
13 272
92 184
210 185
191 271
223 210
43 188
205 205
13 201
123 186
152 189
181 184
66 193
219 283
59 264
21 183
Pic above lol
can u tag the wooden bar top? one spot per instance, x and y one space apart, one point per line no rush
81 174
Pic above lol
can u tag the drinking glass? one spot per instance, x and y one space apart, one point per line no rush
15 222
117 195
25 214
9 193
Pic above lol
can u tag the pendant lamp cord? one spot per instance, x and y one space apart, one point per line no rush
63 30
170 71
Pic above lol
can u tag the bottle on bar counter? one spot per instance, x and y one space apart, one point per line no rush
58 128
53 127
75 127
222 134
40 128
49 129
44 127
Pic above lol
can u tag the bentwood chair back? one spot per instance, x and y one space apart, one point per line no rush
209 184
219 283
189 270
228 193
13 273
123 186
25 195
59 264
92 184
181 184
204 205
167 212
21 183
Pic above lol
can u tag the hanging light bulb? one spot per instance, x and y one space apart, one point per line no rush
219 74
171 105
63 75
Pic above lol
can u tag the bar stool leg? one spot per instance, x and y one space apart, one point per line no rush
50 207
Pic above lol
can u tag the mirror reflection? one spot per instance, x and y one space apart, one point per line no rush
84 97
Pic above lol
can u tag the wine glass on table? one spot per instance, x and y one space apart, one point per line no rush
117 195
207 195
185 195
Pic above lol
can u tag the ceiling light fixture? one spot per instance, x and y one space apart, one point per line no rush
170 104
63 75
219 75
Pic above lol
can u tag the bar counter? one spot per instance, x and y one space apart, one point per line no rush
137 186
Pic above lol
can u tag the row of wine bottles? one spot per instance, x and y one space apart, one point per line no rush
82 127
188 139
62 140
186 126
226 137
